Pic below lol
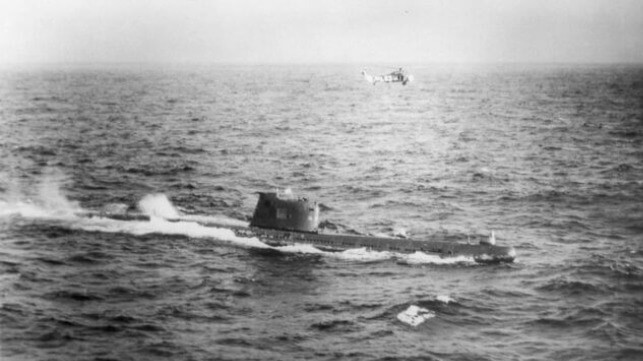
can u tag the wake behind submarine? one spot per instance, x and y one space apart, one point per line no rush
283 219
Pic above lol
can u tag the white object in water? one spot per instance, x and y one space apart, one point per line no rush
415 315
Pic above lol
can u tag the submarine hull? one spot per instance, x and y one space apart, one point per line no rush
482 253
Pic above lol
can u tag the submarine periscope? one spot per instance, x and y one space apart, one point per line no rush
284 219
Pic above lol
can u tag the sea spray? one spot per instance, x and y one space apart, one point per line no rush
46 200
444 298
25 209
161 226
418 258
51 195
157 205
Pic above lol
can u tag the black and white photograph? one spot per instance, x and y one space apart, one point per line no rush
276 180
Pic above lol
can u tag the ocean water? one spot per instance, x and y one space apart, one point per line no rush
549 157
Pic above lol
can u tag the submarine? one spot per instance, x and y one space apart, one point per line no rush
284 219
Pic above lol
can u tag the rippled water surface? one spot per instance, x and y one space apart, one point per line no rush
549 157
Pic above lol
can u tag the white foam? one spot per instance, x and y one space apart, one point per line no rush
23 209
51 204
415 315
46 200
444 298
424 258
362 255
300 248
369 255
162 226
158 205
51 196
31 210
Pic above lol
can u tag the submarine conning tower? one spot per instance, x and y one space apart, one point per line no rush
285 212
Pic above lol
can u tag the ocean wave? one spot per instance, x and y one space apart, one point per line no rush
574 287
548 153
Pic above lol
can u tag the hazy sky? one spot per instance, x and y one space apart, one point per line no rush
303 31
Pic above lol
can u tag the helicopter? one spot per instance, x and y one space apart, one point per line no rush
397 76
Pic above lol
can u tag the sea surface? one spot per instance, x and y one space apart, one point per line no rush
548 157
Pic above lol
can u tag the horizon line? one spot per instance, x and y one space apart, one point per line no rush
304 63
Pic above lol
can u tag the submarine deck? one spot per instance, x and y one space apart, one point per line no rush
484 253
340 242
